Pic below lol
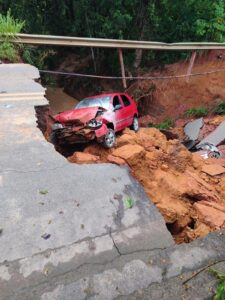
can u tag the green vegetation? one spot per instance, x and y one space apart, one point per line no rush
165 21
8 52
220 294
129 202
197 112
166 124
9 27
220 108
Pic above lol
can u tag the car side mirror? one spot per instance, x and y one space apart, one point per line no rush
117 107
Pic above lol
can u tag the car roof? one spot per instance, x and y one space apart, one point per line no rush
105 95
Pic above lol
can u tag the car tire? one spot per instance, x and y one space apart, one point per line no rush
135 124
109 139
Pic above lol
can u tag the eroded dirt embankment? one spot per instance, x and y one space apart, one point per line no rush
191 201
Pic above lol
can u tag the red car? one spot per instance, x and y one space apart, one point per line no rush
97 117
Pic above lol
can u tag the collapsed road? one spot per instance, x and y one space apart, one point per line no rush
187 187
64 236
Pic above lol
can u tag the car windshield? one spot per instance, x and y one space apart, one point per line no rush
93 102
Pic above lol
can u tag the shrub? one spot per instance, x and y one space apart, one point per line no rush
166 124
9 27
220 294
197 112
220 108
8 52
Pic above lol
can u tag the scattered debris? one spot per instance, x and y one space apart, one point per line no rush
211 150
118 196
192 129
169 134
43 192
8 105
46 271
46 236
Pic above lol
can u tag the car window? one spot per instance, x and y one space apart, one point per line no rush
93 102
116 101
126 101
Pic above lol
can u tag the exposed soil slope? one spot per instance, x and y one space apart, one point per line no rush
170 98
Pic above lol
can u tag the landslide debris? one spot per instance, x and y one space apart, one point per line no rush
191 201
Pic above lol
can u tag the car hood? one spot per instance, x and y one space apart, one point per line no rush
82 114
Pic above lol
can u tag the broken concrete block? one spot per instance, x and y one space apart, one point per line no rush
216 137
192 129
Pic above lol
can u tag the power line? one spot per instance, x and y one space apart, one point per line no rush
132 78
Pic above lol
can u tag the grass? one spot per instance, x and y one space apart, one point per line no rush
200 111
9 27
166 124
129 202
220 108
220 294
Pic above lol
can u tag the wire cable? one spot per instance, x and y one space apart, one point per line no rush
132 78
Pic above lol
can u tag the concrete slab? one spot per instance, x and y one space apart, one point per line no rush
216 137
41 192
17 79
192 129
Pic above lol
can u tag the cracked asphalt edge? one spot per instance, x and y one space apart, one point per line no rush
114 276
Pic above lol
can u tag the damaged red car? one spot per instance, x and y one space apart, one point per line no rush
97 117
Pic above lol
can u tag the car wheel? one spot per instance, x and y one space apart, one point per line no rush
109 139
135 124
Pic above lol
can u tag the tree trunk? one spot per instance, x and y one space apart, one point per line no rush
141 23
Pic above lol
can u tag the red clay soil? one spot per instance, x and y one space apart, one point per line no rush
191 201
171 98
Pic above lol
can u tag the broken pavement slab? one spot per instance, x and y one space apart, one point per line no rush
192 129
85 223
216 137
17 83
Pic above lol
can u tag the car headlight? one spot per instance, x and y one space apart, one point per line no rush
94 124
56 126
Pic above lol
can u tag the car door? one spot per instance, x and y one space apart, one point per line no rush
127 111
118 113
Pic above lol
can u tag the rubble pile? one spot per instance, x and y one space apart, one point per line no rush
188 190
